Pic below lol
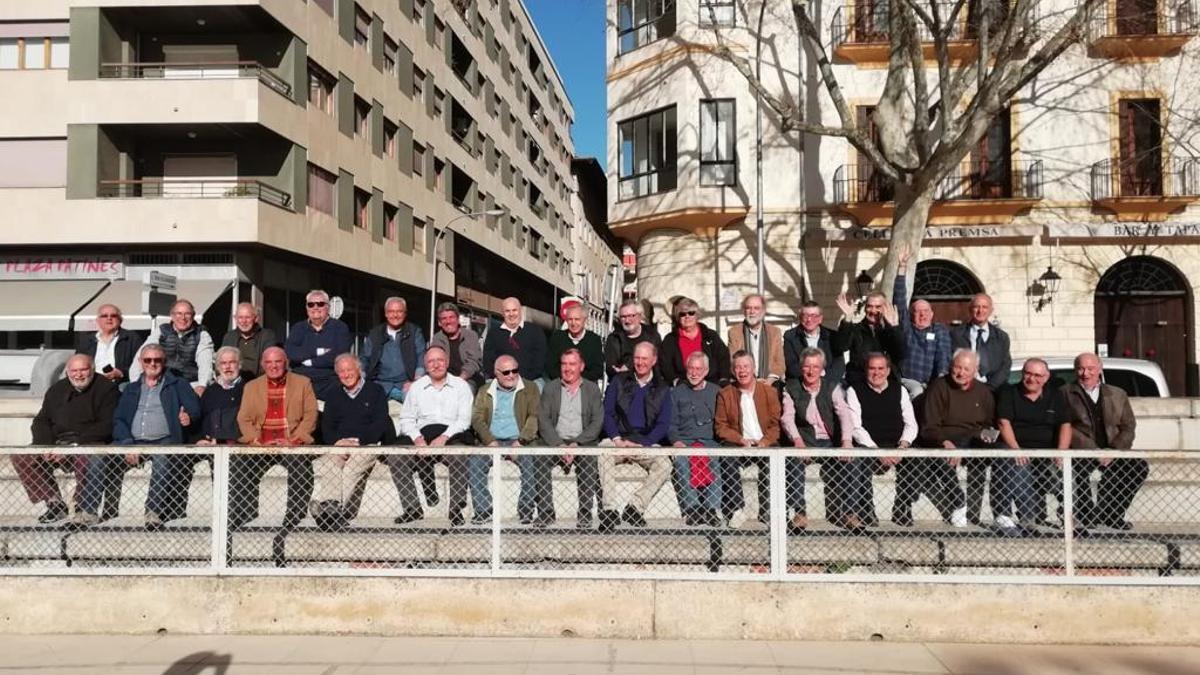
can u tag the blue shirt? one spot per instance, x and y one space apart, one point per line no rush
504 418
928 349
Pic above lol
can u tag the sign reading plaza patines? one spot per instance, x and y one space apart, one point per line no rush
44 268
1122 230
959 233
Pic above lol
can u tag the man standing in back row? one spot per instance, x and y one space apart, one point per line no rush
576 336
393 355
519 339
313 344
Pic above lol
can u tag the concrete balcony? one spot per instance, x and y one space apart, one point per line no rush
1141 193
1125 29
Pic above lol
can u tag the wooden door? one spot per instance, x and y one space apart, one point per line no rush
1141 147
1137 17
1151 327
991 161
951 312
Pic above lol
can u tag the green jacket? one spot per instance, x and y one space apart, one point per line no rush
526 402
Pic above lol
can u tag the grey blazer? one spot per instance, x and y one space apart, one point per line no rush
592 411
471 352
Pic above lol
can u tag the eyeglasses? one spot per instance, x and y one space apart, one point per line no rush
628 316
507 372
316 304
108 316
690 312
150 360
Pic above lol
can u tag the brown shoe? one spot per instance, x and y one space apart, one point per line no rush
798 523
852 522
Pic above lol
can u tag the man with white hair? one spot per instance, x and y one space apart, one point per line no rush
519 339
221 400
111 347
927 344
576 335
618 346
250 339
393 354
77 410
312 344
760 339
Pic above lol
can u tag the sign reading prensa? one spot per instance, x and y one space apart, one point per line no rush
34 268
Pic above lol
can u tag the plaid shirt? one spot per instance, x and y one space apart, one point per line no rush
928 354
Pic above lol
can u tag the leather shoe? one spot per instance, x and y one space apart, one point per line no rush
55 511
632 516
409 517
609 520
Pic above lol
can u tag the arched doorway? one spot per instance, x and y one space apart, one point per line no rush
948 287
1143 312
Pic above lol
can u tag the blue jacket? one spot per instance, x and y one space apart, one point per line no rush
302 343
175 394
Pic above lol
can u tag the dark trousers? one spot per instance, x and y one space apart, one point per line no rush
931 476
1118 485
403 467
793 475
101 493
1012 492
37 475
977 481
1047 480
587 483
732 498
848 489
170 480
245 475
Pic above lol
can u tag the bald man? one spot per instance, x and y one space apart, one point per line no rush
927 356
519 339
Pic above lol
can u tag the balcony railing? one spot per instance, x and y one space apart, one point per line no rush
463 138
183 188
868 23
1172 18
1133 179
998 180
216 70
856 183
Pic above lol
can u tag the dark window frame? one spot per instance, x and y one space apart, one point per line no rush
732 162
664 175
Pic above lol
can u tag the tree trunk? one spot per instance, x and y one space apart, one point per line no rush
908 230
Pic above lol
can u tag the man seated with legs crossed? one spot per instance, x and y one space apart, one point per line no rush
637 414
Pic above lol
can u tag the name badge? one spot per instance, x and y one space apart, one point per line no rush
930 337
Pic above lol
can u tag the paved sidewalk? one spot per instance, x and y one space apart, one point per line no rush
327 655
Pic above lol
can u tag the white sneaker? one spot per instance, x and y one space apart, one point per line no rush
1005 522
739 518
959 517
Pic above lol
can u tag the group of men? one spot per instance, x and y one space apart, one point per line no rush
892 379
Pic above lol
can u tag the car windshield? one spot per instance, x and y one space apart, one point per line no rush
1133 383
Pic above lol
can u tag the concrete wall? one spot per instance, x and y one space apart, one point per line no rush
601 609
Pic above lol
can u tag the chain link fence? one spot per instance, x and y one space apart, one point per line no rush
718 513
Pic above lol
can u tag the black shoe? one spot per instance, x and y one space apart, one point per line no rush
1045 522
903 518
525 519
712 518
543 521
609 520
1120 524
691 517
764 517
55 511
481 518
331 521
632 516
456 517
583 520
973 518
409 517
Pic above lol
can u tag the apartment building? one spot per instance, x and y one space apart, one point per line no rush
1077 211
597 265
257 149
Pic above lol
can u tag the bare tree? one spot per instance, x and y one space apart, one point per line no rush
935 106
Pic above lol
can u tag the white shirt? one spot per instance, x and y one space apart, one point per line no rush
1093 394
426 404
751 429
813 340
976 332
753 343
851 414
105 352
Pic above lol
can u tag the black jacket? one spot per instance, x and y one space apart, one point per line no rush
529 350
861 339
997 351
251 349
674 370
219 411
618 347
794 343
81 417
377 339
128 343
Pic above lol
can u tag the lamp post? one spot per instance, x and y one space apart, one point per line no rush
433 274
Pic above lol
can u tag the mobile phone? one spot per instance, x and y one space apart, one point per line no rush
107 369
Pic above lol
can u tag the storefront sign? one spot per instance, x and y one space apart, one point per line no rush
35 268
1123 230
959 233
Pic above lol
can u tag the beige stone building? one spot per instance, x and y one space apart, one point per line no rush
260 148
1092 172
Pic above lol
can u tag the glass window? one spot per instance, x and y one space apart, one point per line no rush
35 53
362 208
9 54
646 148
60 52
362 28
718 12
322 189
362 116
390 51
389 222
718 143
640 22
418 156
320 88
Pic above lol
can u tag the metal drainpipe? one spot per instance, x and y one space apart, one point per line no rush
758 151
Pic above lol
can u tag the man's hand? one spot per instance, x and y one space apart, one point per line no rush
747 443
954 461
567 459
845 304
199 389
903 254
419 441
206 442
113 375
679 444
132 458
889 461
439 442
293 441
949 445
620 369
1021 461
352 442
1105 461
184 418
798 443
53 456
494 444
623 443
406 386
891 315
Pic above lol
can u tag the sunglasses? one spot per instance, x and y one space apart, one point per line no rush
109 316
507 372
690 312
316 304
150 359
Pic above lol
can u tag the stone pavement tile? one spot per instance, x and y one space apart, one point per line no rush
493 651
406 669
732 653
625 668
495 668
1053 660
68 650
241 648
870 657
407 651
335 649
739 670
573 650
553 668
652 652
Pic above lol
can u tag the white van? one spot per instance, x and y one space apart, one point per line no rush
1137 377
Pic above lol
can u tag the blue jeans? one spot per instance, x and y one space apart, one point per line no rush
396 394
692 498
478 468
1012 485
102 485
533 493
170 479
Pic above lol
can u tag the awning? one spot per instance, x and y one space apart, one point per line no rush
43 305
128 296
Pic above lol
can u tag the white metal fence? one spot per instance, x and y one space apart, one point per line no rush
712 513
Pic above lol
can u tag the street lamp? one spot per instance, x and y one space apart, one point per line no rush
433 281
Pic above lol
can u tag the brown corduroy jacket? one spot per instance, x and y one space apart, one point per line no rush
300 402
728 422
774 348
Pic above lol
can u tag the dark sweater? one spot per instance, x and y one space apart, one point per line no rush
364 417
590 346
957 415
219 411
303 342
527 346
70 416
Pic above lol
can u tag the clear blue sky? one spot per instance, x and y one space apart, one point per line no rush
574 34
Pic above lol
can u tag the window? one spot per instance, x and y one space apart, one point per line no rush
33 162
389 138
418 235
718 12
418 83
640 22
419 11
718 142
34 53
646 154
362 29
322 189
390 52
418 156
389 222
320 88
362 208
362 117
1140 138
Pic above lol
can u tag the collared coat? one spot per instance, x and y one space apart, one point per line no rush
776 364
728 422
300 403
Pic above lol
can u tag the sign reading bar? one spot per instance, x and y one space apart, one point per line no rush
1122 230
959 233
37 268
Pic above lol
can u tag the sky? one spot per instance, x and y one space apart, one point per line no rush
574 34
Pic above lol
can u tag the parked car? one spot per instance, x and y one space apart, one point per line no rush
1138 377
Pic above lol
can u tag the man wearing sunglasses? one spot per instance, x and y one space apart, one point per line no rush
155 409
314 343
111 347
519 339
505 414
187 345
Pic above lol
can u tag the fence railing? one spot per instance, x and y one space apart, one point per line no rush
204 71
699 513
1010 179
185 188
1146 177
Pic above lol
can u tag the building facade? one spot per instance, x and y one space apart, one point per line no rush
1093 172
258 149
597 265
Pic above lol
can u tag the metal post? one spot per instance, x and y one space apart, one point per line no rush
758 151
778 506
433 274
1069 515
496 508
220 508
